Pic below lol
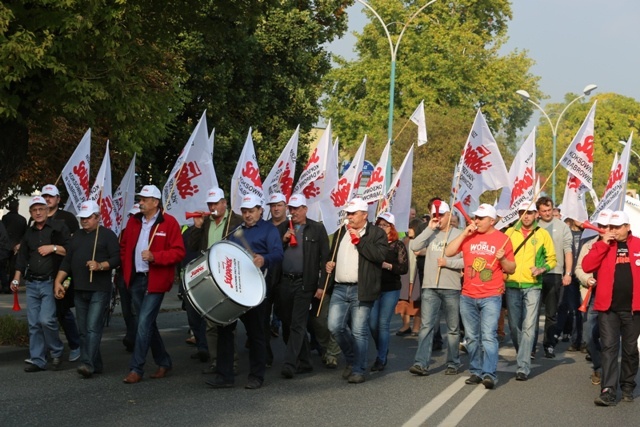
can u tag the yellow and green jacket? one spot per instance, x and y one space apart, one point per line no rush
538 251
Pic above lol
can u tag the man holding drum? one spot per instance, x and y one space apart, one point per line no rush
262 240
150 249
207 230
306 253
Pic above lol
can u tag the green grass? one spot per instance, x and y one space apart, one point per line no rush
13 331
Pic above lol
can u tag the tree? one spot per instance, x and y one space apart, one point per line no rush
68 65
616 116
449 57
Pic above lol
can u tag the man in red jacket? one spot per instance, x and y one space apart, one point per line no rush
616 261
150 248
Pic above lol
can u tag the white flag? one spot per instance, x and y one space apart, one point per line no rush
522 178
616 190
342 190
124 197
280 179
482 167
101 192
418 118
375 189
246 178
331 215
75 174
192 175
573 202
398 198
311 180
578 159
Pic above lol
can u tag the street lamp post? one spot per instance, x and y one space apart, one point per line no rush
554 128
632 150
394 51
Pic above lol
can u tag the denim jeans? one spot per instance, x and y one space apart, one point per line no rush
522 307
480 318
568 311
147 306
432 301
380 319
43 323
68 323
91 307
353 338
130 318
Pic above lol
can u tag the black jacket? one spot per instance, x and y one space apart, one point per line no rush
372 250
315 247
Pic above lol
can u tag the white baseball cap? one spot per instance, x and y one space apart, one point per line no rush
135 209
604 217
485 210
442 209
297 200
88 208
150 191
619 218
50 190
250 201
215 195
356 204
388 216
276 198
527 205
37 200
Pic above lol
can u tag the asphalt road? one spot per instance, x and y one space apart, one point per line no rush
559 391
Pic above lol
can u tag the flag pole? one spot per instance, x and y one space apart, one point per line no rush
448 227
95 242
326 282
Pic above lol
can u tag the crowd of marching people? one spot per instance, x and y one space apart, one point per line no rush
329 293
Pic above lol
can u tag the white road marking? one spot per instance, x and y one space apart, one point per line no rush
430 408
464 407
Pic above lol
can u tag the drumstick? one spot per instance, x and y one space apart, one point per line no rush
239 234
333 257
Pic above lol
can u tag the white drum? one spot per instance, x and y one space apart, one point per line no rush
223 283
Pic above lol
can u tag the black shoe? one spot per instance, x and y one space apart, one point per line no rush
521 376
402 333
419 370
378 366
451 371
347 371
587 357
287 372
473 380
627 396
201 355
549 352
253 384
84 371
218 382
56 363
356 379
33 368
304 369
488 382
128 345
606 398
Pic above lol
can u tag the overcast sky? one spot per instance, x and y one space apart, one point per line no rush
573 42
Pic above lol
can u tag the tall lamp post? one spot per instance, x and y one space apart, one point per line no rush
554 128
632 150
394 51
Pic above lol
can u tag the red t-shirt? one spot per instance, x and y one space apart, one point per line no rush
482 271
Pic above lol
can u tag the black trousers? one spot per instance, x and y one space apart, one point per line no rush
550 297
253 321
619 329
294 302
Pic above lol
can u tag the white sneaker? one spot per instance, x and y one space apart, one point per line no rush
28 361
74 354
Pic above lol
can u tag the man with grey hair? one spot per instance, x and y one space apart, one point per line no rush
92 253
356 274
